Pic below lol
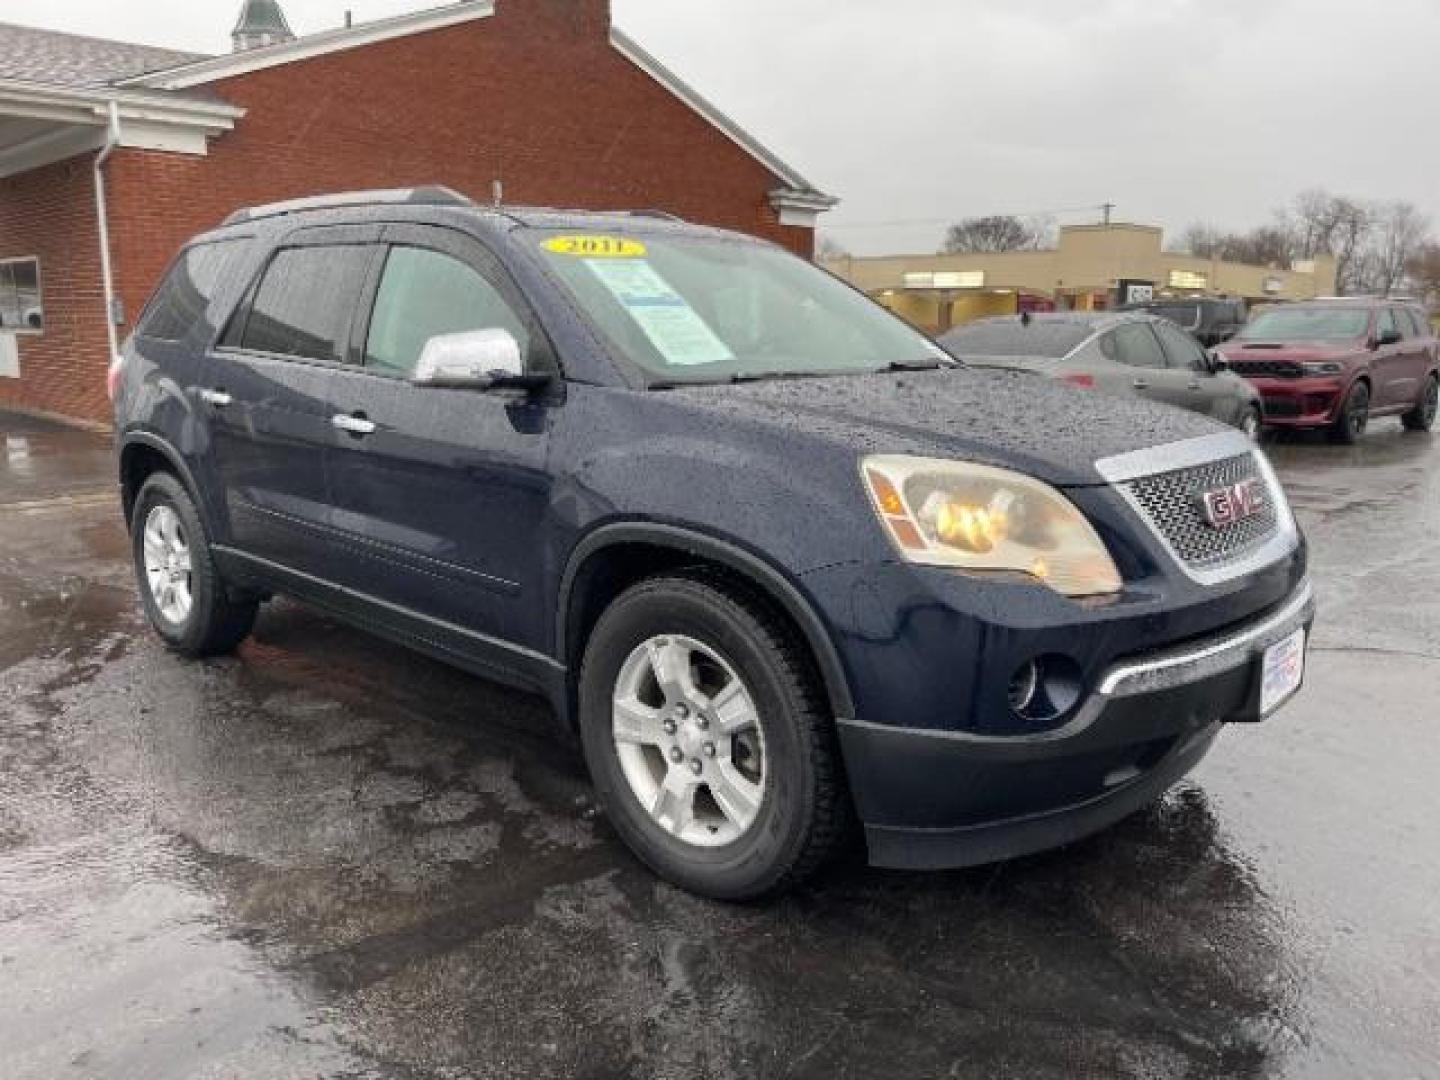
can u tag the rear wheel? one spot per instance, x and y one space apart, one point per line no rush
187 602
1354 415
708 740
1422 417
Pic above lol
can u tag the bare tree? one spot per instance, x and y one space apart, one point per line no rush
829 249
1424 270
1399 231
996 233
1269 245
1202 241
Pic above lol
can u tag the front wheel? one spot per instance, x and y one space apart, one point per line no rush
1422 417
185 598
1354 416
708 740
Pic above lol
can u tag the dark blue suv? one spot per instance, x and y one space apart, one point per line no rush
777 560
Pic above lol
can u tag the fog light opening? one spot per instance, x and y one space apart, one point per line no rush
1045 689
1024 685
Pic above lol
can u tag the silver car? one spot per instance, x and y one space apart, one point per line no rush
1113 352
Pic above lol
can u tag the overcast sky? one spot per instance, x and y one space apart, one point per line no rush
917 112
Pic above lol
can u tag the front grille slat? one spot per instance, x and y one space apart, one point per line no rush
1170 503
1276 369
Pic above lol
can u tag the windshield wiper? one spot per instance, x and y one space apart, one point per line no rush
929 363
766 376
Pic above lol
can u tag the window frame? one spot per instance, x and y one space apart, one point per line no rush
1144 327
25 328
541 356
366 236
1198 363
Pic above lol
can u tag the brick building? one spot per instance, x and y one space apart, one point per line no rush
111 155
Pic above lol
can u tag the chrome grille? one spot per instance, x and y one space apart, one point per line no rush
1170 502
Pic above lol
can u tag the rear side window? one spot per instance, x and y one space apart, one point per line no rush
1387 322
1413 323
305 303
184 296
1136 346
424 294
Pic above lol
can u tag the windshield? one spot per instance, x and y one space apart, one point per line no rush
700 309
1307 324
1012 337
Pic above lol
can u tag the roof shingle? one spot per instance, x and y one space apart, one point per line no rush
57 59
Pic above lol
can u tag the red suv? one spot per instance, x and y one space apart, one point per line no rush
1336 363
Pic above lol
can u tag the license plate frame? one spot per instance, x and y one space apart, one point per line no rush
1282 671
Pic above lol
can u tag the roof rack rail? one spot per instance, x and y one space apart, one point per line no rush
430 195
663 215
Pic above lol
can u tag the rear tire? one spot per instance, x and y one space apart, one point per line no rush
1422 417
674 665
1354 416
186 600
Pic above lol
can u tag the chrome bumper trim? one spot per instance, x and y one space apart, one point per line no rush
1228 652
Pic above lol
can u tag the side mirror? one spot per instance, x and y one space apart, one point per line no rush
1388 337
474 360
1215 363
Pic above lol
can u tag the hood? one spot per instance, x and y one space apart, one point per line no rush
1008 419
1243 352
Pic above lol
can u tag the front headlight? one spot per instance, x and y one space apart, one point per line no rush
987 521
1321 367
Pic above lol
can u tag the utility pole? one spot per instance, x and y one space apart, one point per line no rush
1109 208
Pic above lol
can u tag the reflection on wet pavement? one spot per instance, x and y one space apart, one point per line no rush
328 857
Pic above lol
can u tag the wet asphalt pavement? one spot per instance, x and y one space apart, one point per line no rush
326 857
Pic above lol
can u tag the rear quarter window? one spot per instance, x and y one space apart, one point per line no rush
184 297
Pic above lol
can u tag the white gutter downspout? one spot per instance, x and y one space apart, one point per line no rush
102 220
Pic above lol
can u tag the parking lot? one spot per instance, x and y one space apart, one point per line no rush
327 856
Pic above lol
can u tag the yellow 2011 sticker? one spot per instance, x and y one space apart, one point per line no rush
596 247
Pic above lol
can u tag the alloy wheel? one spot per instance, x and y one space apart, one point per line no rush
689 740
168 565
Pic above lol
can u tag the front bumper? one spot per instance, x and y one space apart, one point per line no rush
931 799
1308 402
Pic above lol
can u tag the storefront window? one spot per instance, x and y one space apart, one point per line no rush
20 307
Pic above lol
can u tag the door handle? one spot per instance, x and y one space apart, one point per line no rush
357 424
1194 384
1141 384
217 398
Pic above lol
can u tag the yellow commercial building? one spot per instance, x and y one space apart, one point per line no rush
1092 267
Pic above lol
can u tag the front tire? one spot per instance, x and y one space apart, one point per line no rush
187 601
708 739
1422 417
1354 416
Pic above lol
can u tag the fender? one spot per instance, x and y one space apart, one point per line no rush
776 585
173 456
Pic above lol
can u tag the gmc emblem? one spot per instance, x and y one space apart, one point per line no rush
1232 504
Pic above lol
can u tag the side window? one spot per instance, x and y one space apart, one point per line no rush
1414 323
305 303
1181 349
425 293
1135 346
1386 322
20 306
185 294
